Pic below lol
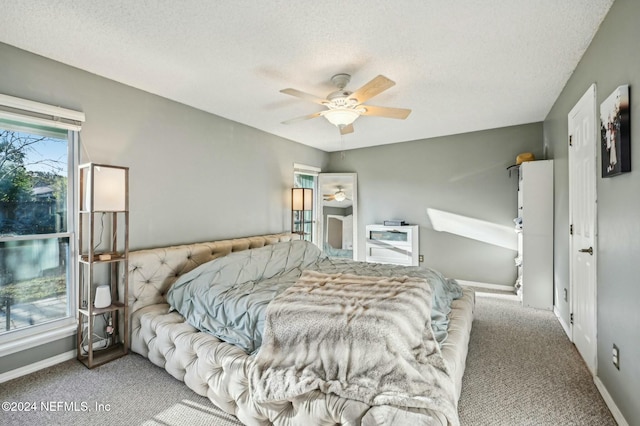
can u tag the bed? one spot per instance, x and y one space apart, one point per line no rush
232 375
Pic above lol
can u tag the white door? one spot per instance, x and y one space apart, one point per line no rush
582 216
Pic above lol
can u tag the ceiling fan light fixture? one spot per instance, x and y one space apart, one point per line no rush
345 106
341 117
340 196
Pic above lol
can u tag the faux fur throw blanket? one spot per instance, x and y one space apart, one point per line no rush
359 337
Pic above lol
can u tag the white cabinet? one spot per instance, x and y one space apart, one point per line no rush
535 234
392 244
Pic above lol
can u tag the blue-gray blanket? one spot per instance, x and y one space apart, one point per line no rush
228 296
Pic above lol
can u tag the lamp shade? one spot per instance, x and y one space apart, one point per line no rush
301 199
109 188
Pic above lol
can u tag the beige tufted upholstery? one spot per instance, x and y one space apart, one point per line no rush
152 272
216 369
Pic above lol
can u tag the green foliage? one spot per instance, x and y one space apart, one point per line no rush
15 183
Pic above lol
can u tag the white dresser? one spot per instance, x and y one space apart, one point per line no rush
392 244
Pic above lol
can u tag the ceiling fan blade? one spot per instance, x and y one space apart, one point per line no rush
347 129
329 197
400 113
304 117
372 88
305 96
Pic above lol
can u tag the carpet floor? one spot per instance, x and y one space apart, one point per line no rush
521 370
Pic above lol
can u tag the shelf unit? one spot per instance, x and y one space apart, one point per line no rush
103 252
393 244
535 234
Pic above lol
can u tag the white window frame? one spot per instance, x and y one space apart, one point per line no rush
30 112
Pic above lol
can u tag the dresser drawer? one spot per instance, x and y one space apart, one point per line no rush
393 236
392 244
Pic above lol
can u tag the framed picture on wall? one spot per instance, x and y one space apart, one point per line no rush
615 133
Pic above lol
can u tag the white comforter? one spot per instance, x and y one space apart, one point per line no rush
359 337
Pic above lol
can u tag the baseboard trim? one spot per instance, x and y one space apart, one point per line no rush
565 326
37 338
32 368
615 411
488 286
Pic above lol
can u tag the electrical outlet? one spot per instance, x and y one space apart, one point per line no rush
421 258
109 327
616 356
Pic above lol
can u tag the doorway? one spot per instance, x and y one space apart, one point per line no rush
583 131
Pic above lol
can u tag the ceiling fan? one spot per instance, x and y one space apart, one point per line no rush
344 107
338 196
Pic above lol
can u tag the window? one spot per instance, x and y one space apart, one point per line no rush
307 177
37 181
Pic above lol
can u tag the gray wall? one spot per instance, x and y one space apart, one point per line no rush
193 176
187 166
610 61
465 174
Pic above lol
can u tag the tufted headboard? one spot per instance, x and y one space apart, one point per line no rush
153 271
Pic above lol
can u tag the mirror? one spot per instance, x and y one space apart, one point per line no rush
337 214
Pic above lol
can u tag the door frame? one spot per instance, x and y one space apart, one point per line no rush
589 96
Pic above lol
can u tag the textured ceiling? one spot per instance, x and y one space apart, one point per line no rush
460 65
